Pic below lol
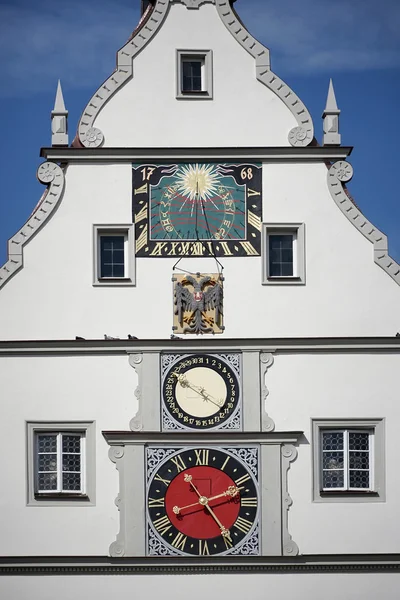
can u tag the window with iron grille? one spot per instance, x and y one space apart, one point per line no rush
348 460
61 463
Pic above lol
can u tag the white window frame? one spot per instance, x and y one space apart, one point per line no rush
127 231
206 59
297 231
346 450
376 491
59 453
86 495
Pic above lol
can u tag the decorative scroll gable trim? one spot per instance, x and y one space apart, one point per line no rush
298 136
339 173
92 137
48 173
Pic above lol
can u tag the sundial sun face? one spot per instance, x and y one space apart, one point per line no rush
183 209
197 182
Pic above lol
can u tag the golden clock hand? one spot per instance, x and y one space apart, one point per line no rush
202 502
188 478
232 491
224 531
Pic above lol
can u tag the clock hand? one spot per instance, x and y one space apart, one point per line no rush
232 491
184 382
224 532
208 398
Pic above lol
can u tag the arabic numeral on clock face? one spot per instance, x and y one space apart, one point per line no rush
201 391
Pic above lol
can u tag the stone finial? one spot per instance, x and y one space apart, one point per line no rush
330 116
59 120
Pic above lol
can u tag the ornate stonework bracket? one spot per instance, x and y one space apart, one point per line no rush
289 547
341 172
92 137
266 361
301 135
117 548
49 174
136 361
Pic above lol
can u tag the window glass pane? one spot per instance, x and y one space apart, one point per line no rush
191 76
359 479
359 460
112 256
47 482
71 482
47 443
71 443
358 440
333 460
286 269
332 440
47 462
71 462
118 271
332 479
280 255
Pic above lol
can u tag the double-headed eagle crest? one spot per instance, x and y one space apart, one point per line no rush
198 303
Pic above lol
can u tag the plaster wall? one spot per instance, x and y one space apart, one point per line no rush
52 297
346 386
351 586
78 388
145 111
101 388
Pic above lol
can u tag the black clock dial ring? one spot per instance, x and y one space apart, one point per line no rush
201 391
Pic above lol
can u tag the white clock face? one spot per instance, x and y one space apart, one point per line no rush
202 392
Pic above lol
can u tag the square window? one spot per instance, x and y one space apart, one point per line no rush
283 253
194 74
113 255
348 460
61 459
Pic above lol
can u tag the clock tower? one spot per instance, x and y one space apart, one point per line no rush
198 357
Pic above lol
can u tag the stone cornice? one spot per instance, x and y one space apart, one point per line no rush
102 565
269 345
126 438
277 153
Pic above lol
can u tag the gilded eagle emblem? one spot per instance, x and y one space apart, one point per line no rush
198 303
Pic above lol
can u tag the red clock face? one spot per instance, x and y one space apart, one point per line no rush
202 501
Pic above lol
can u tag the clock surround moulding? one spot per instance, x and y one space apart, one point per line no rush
268 534
251 370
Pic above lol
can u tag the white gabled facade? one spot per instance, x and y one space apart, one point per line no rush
318 348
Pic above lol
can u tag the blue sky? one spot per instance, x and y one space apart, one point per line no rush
356 42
